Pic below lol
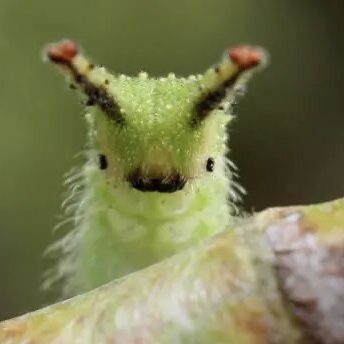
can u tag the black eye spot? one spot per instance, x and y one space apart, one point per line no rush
102 161
210 165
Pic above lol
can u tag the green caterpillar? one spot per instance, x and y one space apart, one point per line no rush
156 179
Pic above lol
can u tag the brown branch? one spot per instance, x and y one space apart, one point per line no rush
278 277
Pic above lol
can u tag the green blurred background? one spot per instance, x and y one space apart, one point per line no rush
287 141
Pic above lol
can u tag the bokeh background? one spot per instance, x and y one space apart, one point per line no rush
287 141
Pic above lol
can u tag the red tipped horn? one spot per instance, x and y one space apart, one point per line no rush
246 57
62 52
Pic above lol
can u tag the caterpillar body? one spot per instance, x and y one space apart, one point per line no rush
156 179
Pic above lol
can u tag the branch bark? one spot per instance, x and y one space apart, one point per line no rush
277 277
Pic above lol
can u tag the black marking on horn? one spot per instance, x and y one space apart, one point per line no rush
212 99
98 95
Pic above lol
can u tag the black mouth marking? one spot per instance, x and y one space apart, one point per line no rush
171 184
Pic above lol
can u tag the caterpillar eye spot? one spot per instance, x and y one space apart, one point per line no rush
102 162
210 165
106 82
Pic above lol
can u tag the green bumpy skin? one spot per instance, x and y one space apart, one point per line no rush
156 180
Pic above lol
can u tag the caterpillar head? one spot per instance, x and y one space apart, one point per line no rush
157 134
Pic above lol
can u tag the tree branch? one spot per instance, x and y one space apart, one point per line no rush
278 277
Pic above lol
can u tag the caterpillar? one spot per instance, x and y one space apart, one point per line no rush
156 178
